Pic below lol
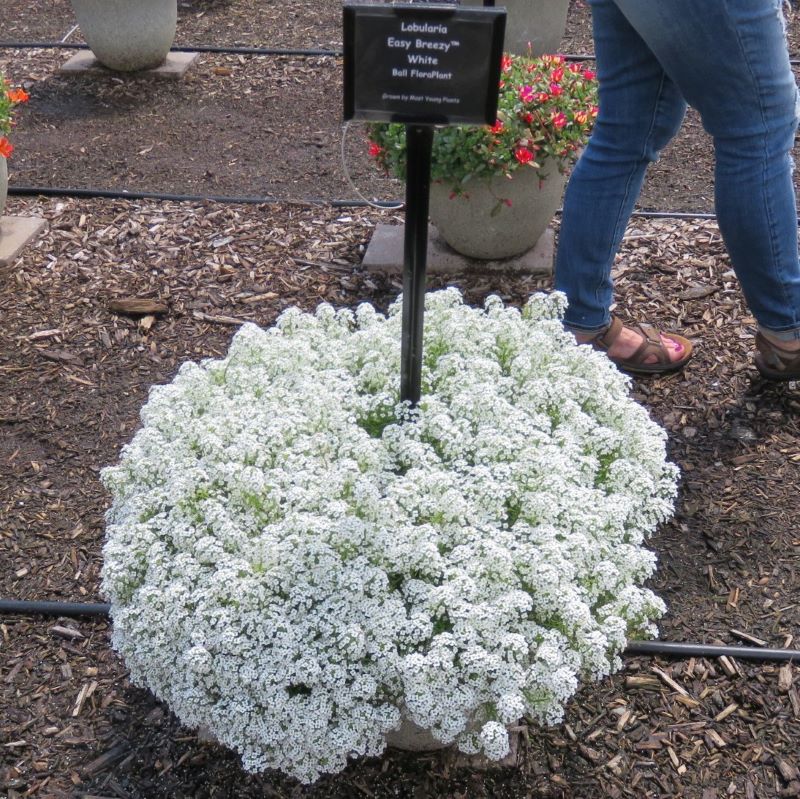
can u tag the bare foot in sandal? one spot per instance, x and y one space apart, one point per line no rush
640 348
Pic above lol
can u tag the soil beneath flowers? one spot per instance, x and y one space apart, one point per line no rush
76 364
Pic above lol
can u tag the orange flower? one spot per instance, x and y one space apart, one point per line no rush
18 95
6 148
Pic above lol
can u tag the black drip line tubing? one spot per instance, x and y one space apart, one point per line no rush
237 50
122 194
665 648
225 49
200 48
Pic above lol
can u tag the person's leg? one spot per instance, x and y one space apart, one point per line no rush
730 61
640 111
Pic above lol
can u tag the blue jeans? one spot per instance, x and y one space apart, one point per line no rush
728 59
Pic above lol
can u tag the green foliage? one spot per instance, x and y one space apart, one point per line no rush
546 110
9 98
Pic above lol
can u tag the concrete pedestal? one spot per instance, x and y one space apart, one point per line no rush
385 254
15 233
84 63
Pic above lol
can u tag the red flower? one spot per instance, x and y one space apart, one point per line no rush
557 74
574 68
581 117
594 111
375 149
6 148
526 94
556 90
527 118
558 119
497 127
506 63
523 155
588 74
542 97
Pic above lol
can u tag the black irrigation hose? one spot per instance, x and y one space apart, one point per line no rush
73 609
121 194
707 650
25 608
234 50
200 48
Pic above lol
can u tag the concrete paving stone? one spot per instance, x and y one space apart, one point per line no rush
15 233
385 254
84 62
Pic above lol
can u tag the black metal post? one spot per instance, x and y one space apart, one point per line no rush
419 143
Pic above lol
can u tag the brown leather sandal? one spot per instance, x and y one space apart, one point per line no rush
776 363
651 345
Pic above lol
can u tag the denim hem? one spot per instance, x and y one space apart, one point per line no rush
782 335
583 331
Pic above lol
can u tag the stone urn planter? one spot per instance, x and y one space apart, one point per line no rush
481 224
128 35
3 184
540 22
410 737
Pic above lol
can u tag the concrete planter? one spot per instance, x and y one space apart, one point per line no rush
3 184
540 22
473 225
128 35
412 738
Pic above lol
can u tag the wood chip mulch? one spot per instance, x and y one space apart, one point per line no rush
116 294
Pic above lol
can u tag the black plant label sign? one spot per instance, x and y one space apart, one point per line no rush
422 64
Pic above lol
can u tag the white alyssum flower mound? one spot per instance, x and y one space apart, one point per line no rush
292 555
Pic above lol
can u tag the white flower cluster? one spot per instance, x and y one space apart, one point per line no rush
292 555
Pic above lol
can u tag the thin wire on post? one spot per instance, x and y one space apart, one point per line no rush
69 33
382 206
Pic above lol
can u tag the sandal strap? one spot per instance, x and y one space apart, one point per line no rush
651 345
651 342
605 339
776 357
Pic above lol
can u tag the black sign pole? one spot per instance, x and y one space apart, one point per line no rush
420 66
419 143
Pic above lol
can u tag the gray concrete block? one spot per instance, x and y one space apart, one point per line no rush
385 254
84 63
15 233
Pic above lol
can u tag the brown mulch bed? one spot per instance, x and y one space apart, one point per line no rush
74 372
